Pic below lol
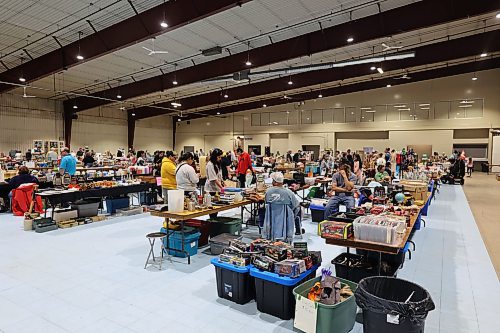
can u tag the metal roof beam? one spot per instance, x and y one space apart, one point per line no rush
414 16
135 29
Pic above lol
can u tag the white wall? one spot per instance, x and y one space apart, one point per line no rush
438 132
23 120
154 134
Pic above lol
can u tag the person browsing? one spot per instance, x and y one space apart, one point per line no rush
214 181
244 164
342 184
185 174
68 163
381 174
168 176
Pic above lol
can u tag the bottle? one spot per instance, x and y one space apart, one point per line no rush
207 200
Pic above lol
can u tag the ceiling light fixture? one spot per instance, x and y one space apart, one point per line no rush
79 55
133 114
164 23
425 108
248 62
370 111
218 112
465 106
498 16
400 106
388 86
365 108
122 108
176 104
179 119
226 95
424 104
465 101
320 95
22 79
380 70
290 82
264 105
484 54
350 39
373 68
174 82
474 78
118 96
75 107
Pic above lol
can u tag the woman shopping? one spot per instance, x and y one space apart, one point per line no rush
214 182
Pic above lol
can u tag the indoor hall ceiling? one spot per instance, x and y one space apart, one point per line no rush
231 29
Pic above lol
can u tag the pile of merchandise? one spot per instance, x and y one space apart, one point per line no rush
329 290
278 257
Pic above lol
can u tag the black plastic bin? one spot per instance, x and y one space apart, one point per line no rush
234 283
87 207
392 305
274 293
367 267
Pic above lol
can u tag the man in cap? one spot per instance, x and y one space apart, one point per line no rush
168 181
280 224
342 184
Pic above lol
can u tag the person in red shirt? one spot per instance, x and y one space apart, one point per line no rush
244 164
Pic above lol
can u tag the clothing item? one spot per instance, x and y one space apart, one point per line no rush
379 176
333 204
244 163
277 177
242 180
88 160
15 181
186 177
224 163
380 161
140 161
51 156
164 193
282 209
338 180
168 174
212 177
22 198
68 163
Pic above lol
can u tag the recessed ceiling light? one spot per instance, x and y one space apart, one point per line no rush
133 114
226 95
22 79
164 24
373 68
248 63
218 112
474 78
75 107
179 119
380 70
79 57
290 82
118 96
174 82
320 95
350 40
264 105
388 86
484 54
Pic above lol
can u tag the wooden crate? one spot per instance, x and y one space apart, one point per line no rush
67 224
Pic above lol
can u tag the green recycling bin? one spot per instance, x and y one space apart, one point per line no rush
337 318
224 225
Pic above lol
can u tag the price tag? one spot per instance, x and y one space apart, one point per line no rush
306 313
342 209
393 319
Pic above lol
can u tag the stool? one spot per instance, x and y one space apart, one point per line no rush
152 237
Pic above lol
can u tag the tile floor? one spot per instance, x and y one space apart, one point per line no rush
91 279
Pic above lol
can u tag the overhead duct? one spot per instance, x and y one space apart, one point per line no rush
212 51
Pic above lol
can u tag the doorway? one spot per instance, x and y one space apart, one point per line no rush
314 149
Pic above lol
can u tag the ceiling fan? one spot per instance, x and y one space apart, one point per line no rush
388 47
153 50
24 93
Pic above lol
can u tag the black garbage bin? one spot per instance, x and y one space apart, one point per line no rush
392 305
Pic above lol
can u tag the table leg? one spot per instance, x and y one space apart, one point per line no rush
379 263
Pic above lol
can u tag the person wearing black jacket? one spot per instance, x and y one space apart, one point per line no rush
23 177
88 160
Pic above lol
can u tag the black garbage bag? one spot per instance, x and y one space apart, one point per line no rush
391 296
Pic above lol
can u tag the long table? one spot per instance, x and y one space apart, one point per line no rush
181 217
55 199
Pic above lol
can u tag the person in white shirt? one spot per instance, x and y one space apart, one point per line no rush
214 173
380 160
52 155
185 174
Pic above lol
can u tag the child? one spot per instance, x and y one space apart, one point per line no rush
470 166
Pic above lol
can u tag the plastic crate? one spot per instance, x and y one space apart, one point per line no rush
234 283
87 207
337 318
220 242
224 225
204 229
112 204
368 269
175 242
317 212
274 293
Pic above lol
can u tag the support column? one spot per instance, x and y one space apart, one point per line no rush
131 131
68 124
174 131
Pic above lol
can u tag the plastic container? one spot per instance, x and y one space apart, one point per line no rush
224 225
317 211
175 201
204 229
368 268
64 214
274 293
349 217
234 283
337 318
129 211
87 207
220 242
190 243
393 305
112 204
